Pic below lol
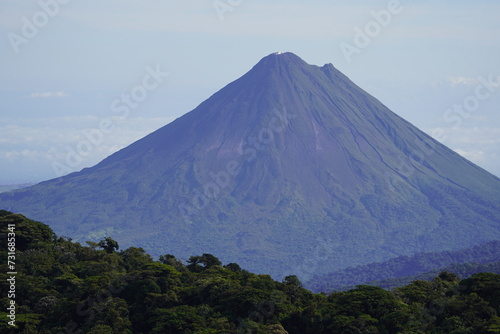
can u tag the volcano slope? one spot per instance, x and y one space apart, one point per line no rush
291 169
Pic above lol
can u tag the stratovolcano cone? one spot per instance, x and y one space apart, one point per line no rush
291 169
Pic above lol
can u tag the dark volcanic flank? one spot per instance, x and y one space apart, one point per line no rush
290 169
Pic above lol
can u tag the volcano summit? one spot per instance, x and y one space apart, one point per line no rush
291 169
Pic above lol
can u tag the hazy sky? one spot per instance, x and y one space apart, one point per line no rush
81 79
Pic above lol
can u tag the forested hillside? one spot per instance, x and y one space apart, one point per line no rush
397 271
463 270
65 287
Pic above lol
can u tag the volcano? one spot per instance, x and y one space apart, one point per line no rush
291 169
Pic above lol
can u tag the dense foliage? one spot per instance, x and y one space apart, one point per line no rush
405 269
64 287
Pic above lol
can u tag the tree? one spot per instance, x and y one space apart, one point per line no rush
233 267
172 261
135 258
486 285
28 232
293 281
109 245
208 261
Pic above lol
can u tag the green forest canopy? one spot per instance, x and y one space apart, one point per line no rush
65 287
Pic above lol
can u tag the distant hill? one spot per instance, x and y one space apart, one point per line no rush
405 269
463 270
9 187
292 168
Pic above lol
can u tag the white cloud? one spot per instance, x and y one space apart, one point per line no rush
474 136
474 155
28 147
478 144
47 95
464 81
25 154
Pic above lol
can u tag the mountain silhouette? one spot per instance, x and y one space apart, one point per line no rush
291 169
